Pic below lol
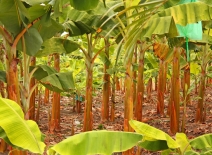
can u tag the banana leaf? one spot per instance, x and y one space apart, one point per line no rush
21 133
96 142
51 79
153 136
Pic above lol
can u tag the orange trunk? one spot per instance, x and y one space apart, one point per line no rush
161 87
175 102
46 97
88 116
2 89
128 103
55 115
87 125
140 85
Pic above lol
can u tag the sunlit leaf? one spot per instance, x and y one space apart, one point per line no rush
17 129
97 142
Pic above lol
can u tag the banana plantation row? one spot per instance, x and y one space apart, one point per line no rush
164 41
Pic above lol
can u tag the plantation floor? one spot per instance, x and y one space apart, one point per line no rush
149 116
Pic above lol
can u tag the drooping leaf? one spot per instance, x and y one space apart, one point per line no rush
58 82
166 26
3 76
33 42
84 4
57 45
19 130
152 134
188 13
48 31
43 71
97 142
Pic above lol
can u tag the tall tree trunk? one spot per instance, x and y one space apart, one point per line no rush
106 86
175 96
55 115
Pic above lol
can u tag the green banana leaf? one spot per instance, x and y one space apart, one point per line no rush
202 142
51 79
166 26
84 4
9 17
97 142
157 26
3 136
152 134
57 45
187 13
21 133
157 145
3 76
33 42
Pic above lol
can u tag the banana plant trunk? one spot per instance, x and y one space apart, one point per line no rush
175 96
46 96
106 86
47 92
2 91
186 81
128 102
118 86
32 98
199 112
55 114
88 116
113 96
134 61
140 84
161 87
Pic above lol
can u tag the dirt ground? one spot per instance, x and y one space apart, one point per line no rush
150 116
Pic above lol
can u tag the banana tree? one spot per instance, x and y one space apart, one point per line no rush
80 23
